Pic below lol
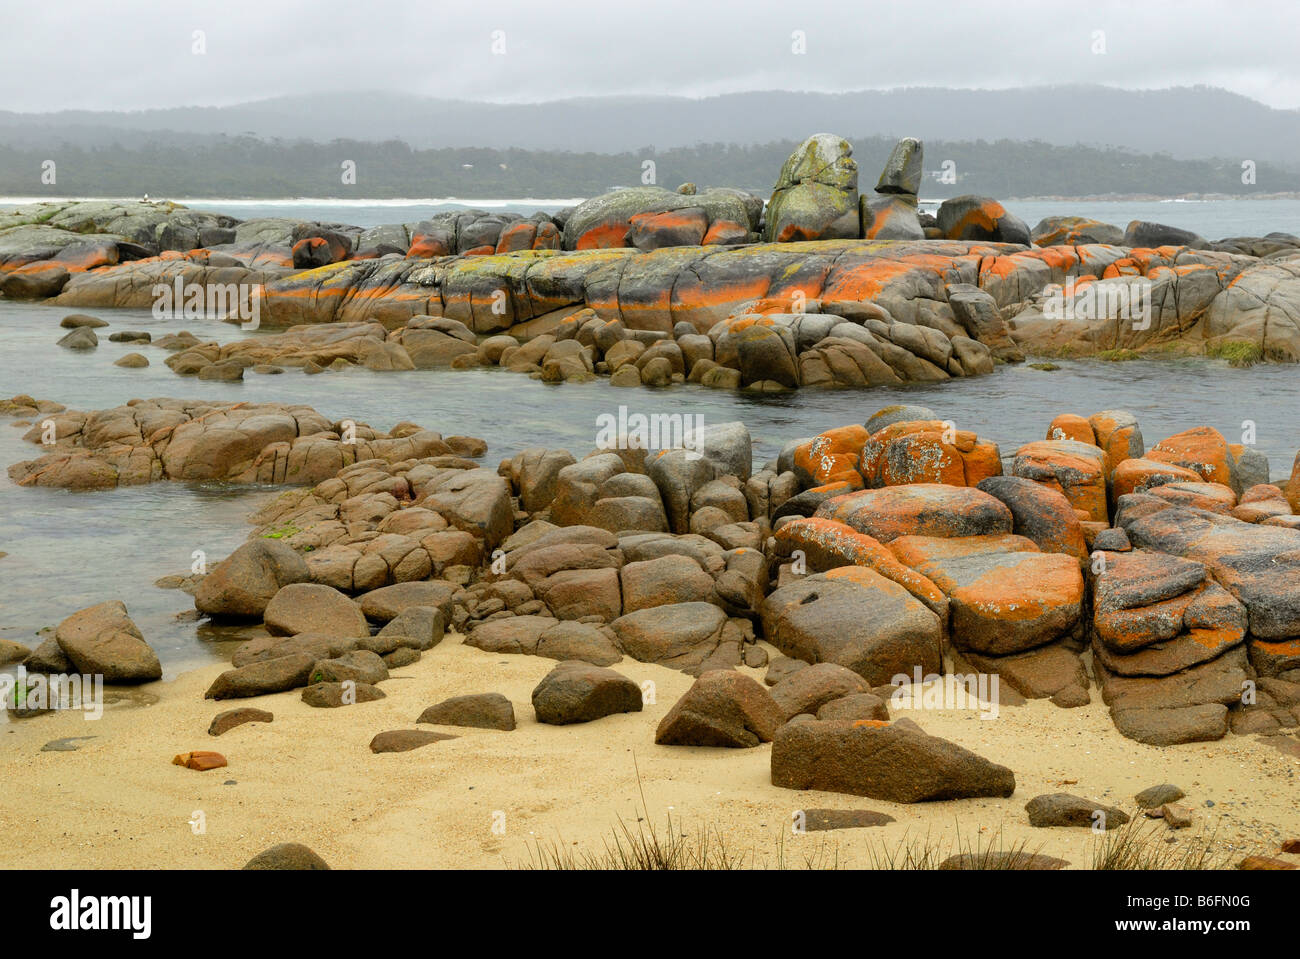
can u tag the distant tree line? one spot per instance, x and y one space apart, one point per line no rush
246 166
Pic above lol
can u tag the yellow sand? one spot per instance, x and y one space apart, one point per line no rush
309 776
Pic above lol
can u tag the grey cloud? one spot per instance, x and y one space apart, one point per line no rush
89 55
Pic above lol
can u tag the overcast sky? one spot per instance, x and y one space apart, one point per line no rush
76 54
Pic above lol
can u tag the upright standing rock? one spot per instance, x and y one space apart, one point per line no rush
902 172
816 194
891 213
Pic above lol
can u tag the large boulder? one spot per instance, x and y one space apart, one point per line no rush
313 608
722 708
808 689
1188 706
575 692
385 604
895 761
260 678
1259 565
1005 595
889 218
102 640
658 217
902 172
291 856
1075 231
665 581
481 710
680 636
919 509
246 580
856 618
477 501
977 312
1040 514
1063 809
816 193
827 544
980 218
1142 233
1076 470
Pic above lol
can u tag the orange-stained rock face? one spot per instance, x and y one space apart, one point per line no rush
726 233
979 223
926 509
1214 497
1263 493
1118 435
1069 467
831 457
1041 514
1156 614
927 451
912 452
827 545
1292 488
1270 657
1068 426
517 236
1202 450
1006 596
1143 474
425 247
603 237
651 231
1258 564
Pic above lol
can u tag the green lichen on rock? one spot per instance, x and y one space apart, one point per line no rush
1239 353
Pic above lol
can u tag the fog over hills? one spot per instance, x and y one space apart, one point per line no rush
1184 122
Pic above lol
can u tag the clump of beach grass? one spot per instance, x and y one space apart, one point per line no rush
1144 844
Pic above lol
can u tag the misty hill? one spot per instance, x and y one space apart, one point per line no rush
251 167
1185 122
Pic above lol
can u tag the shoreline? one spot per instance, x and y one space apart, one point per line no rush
433 807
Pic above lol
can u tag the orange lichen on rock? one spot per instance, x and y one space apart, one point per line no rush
927 451
606 236
1074 469
1117 434
1068 426
979 221
1200 449
1006 596
1292 488
426 247
1142 474
832 457
1214 497
827 545
928 509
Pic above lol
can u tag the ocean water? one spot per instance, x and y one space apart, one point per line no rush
1212 219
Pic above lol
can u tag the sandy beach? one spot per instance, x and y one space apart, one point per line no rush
118 802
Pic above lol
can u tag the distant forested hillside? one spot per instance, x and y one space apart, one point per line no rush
1185 122
247 166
